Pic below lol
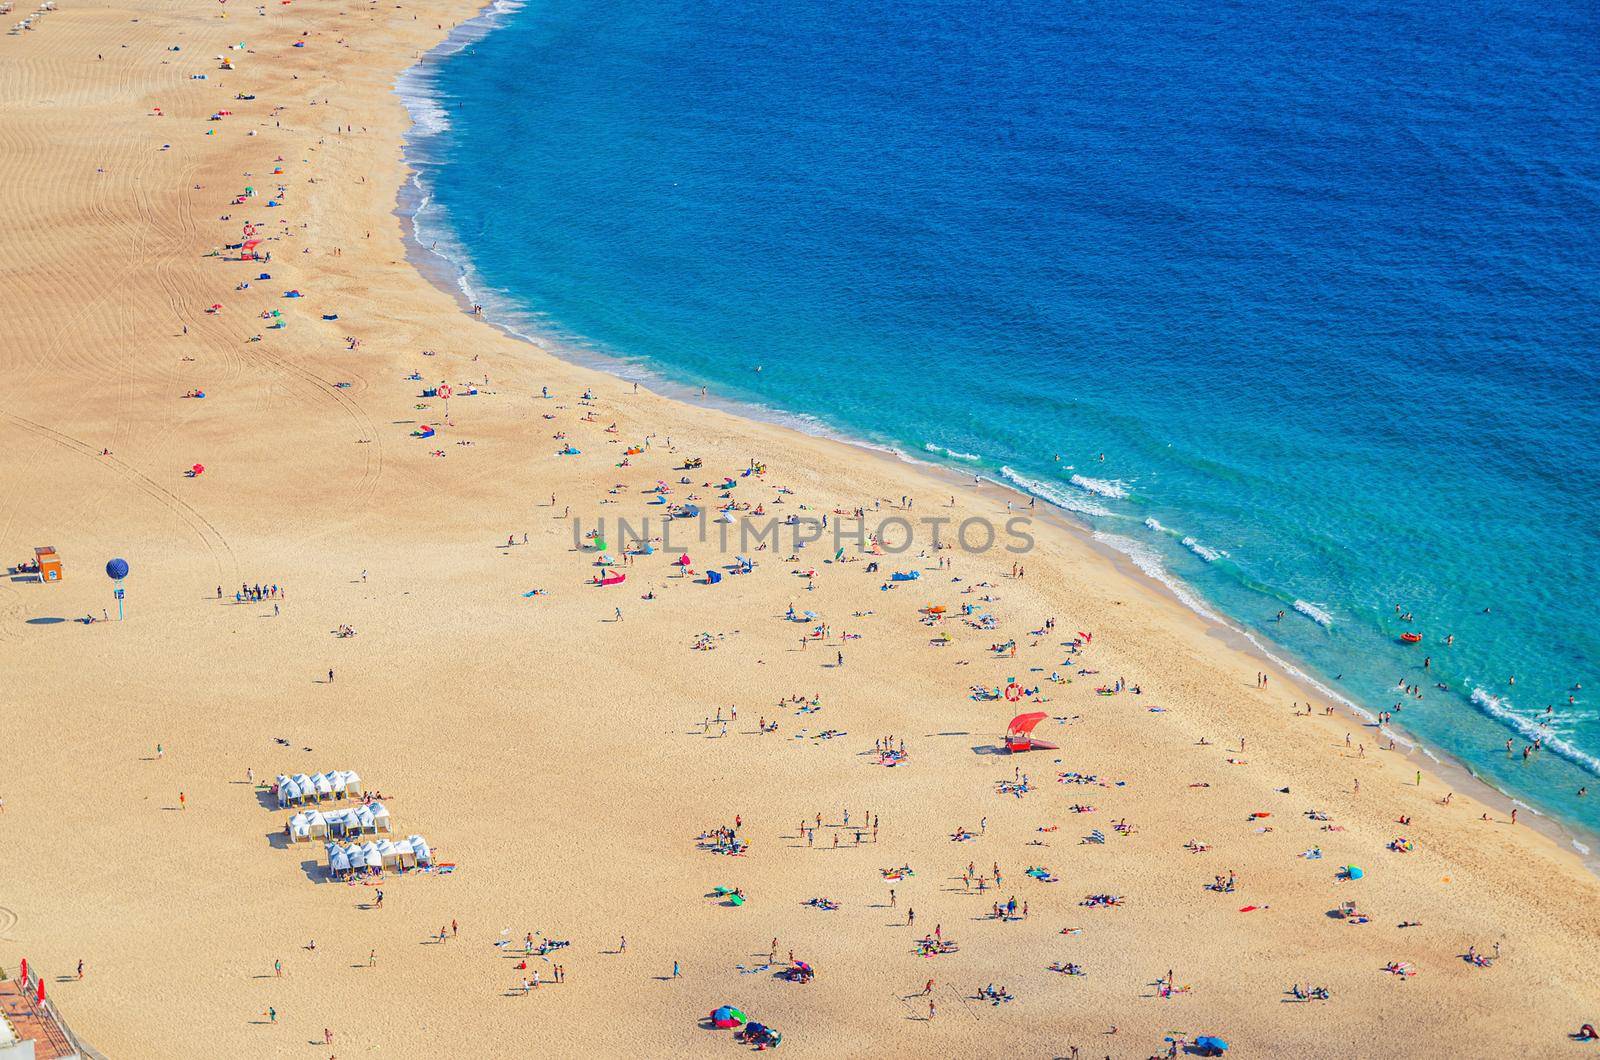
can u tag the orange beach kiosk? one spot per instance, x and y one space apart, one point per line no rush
48 562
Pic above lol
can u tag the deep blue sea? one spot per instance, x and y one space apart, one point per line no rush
1321 282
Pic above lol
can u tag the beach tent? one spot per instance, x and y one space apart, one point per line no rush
379 815
306 825
289 793
338 859
726 1016
1210 1045
419 846
713 577
1019 734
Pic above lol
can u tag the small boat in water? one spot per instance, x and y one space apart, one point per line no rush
1410 638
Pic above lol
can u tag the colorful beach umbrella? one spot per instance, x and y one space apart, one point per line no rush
725 1016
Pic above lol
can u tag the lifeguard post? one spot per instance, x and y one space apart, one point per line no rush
49 563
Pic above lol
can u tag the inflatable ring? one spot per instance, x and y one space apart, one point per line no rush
1013 692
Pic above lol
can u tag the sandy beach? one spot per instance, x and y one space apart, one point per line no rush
571 747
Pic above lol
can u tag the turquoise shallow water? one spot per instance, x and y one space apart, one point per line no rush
1321 285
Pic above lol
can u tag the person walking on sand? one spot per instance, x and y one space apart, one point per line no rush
272 1014
372 958
622 946
931 1010
676 972
327 1036
330 677
183 802
80 969
277 968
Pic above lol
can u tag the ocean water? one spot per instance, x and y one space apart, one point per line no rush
1297 305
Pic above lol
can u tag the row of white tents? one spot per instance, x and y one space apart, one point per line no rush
404 853
367 819
300 789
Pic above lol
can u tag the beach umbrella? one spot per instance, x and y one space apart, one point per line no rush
41 990
1210 1045
198 469
722 1017
1354 872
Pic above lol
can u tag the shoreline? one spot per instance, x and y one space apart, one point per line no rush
451 277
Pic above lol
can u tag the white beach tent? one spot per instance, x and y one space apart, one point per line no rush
333 785
338 859
420 847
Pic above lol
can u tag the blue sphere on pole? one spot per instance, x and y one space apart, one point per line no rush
117 569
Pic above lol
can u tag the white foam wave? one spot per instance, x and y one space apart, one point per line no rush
1205 552
1498 709
416 90
1314 612
1147 561
1046 492
1103 486
416 85
1155 524
953 454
